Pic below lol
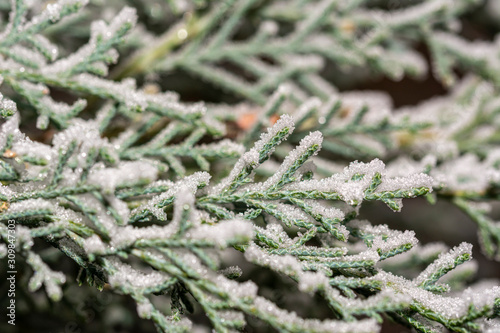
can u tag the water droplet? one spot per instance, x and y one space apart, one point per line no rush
182 34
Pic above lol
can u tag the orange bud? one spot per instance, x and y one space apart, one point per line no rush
9 154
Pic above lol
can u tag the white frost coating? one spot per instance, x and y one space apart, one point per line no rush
94 245
38 204
448 307
86 134
311 281
159 139
314 325
282 92
306 108
223 231
7 104
444 260
144 308
52 12
275 232
126 16
416 13
474 293
11 127
406 183
284 122
386 296
3 250
127 276
493 157
195 264
315 138
184 201
129 132
231 316
461 174
23 235
403 166
49 48
326 108
99 31
297 91
252 156
323 85
422 253
127 235
292 213
56 108
33 149
225 146
70 177
44 275
125 92
328 212
379 104
288 265
306 62
413 61
307 167
29 55
327 166
369 143
126 172
249 158
37 88
481 51
381 229
66 215
407 237
490 325
231 271
431 250
395 238
369 255
6 191
185 324
161 182
235 290
269 28
120 206
191 182
284 264
209 119
105 219
351 191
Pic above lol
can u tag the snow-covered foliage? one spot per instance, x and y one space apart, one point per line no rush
181 206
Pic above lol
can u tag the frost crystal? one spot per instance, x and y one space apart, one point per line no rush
125 275
445 260
127 172
305 144
251 158
223 232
